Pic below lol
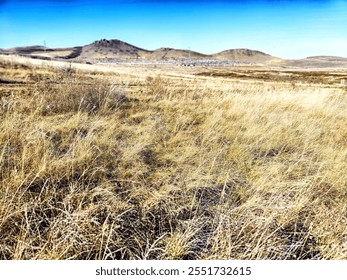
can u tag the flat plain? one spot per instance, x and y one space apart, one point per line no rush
164 161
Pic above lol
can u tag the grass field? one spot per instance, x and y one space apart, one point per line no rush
136 163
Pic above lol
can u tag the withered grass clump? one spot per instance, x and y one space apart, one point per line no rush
173 169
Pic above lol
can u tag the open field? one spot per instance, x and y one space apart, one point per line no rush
169 162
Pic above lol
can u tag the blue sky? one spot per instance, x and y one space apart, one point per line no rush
288 29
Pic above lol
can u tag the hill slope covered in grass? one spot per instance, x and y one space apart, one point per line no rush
93 166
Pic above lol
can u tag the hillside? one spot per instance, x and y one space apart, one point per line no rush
170 53
43 52
319 62
118 50
246 55
111 49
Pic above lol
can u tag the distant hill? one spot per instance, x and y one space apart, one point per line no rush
27 50
170 53
246 55
111 49
319 62
108 50
116 50
43 52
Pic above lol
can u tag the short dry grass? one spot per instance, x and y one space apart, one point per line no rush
171 169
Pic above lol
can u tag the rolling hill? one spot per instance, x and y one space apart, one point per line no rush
170 53
246 55
109 50
116 50
319 62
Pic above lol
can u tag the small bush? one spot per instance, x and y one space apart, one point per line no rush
72 95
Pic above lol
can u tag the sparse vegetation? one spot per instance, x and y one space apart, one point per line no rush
159 167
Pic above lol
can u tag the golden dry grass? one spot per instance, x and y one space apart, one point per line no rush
96 166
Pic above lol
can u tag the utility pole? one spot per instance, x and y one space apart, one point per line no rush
45 46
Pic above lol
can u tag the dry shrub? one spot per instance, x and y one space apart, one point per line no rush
69 93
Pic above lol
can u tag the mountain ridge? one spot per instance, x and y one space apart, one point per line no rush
115 50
